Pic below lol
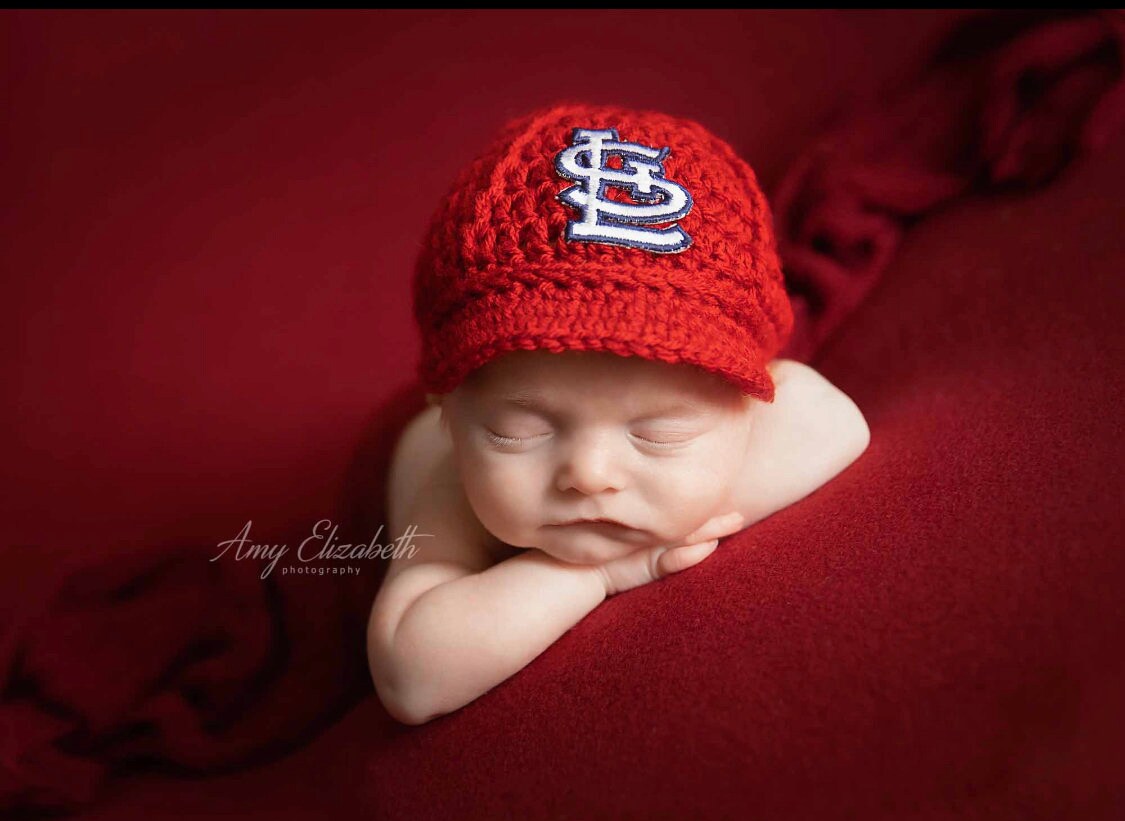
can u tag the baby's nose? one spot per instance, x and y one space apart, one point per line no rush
590 464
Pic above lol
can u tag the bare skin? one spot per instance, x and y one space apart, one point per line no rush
498 469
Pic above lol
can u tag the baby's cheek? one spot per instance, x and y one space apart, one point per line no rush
690 496
701 480
685 501
499 497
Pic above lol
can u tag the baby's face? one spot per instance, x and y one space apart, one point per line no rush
541 439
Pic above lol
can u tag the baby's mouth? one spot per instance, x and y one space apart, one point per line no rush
603 523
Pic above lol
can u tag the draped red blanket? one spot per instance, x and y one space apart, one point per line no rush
140 655
1005 103
143 655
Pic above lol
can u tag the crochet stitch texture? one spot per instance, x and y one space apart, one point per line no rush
497 274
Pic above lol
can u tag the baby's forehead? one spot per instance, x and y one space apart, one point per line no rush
572 377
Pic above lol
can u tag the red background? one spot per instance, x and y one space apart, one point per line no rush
210 220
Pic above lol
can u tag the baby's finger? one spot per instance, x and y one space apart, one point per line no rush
717 528
681 558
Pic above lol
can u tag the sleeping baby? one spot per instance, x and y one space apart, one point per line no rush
601 304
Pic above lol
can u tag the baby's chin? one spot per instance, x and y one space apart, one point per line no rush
587 545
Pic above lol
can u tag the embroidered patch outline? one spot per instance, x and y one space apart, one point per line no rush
659 200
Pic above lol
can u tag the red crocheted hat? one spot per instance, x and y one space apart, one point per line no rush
598 228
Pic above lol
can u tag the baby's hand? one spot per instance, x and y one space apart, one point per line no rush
652 563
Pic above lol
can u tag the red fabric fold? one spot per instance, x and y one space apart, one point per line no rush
147 656
1007 101
161 654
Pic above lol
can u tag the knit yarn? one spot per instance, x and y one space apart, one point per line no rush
598 228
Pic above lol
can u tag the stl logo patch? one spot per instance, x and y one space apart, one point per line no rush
657 199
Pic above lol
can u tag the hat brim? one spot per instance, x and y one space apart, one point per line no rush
648 323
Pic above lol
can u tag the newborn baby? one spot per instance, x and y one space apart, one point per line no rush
599 326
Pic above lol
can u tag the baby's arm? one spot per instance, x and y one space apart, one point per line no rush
443 631
448 625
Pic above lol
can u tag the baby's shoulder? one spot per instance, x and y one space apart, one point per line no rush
801 395
418 452
807 435
424 490
806 402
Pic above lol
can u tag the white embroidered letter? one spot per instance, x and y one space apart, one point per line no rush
657 200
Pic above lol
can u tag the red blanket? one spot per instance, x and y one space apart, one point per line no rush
1004 104
930 623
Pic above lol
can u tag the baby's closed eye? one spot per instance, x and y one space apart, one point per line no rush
510 441
664 438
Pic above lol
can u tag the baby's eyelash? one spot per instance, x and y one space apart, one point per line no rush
497 439
655 442
508 441
512 441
